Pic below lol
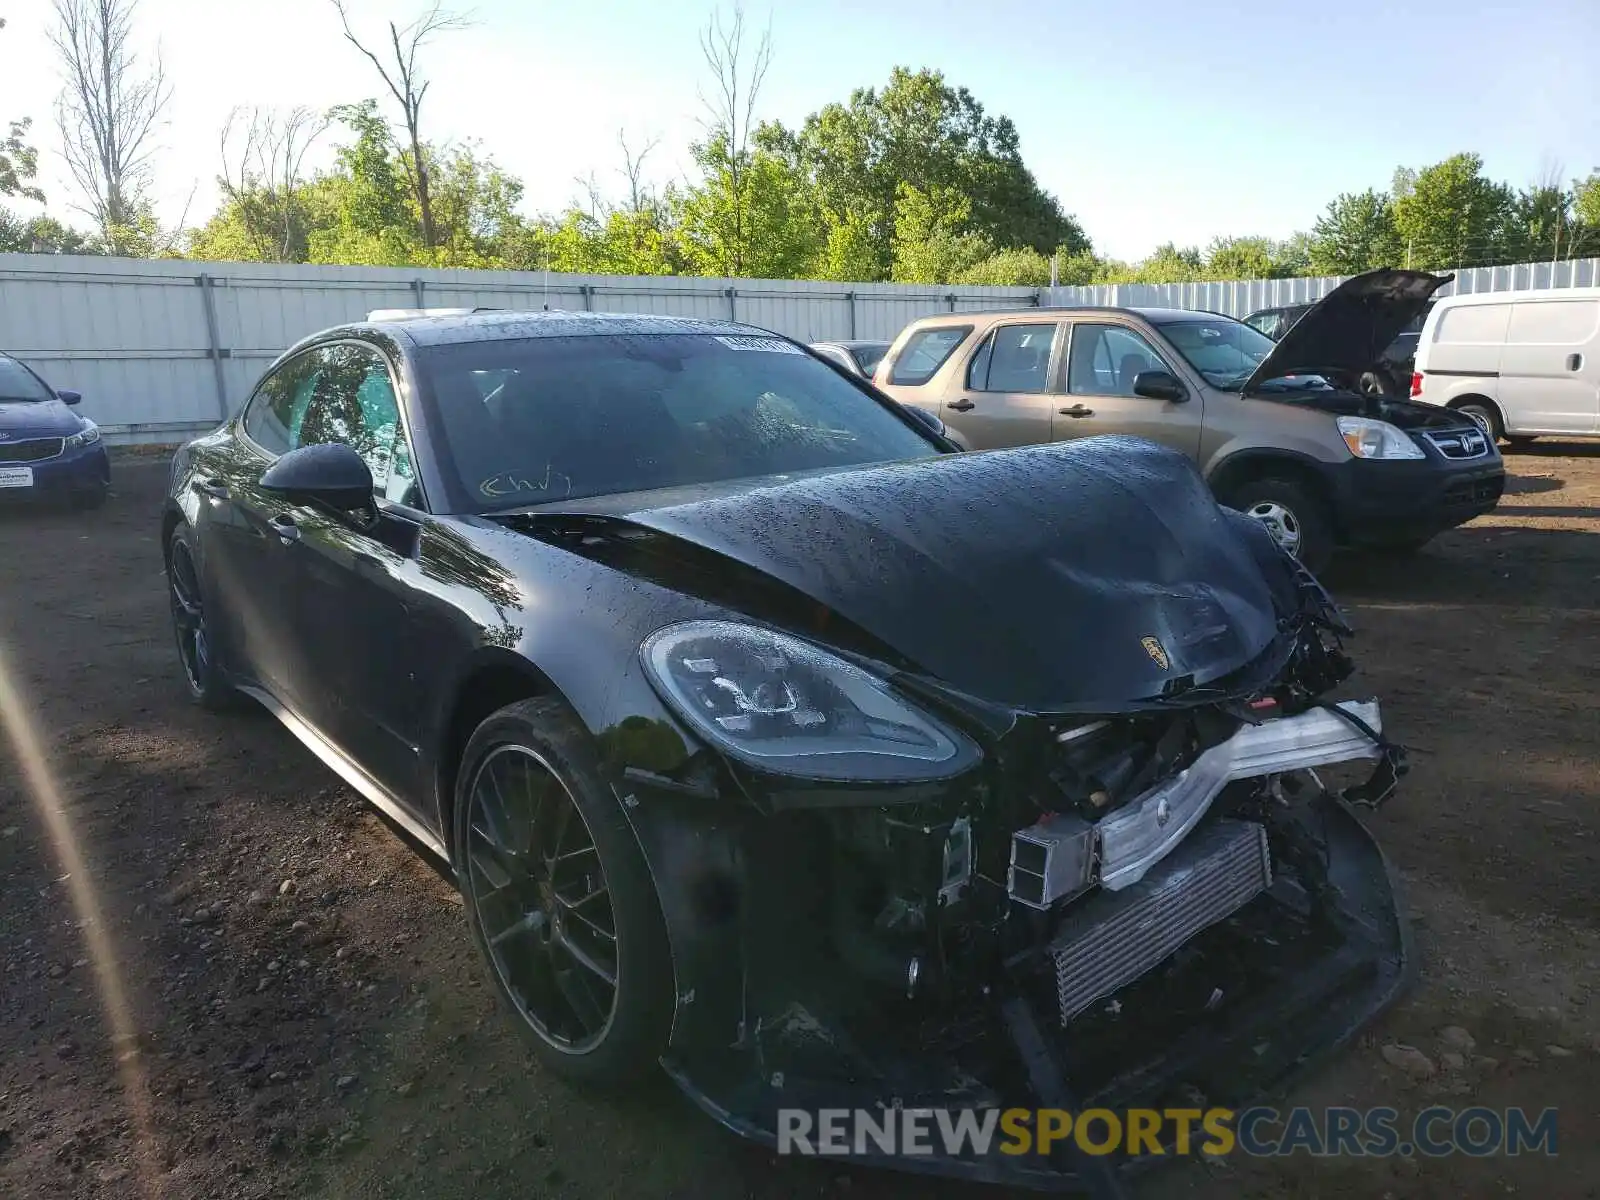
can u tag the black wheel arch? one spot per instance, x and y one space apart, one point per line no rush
491 679
1246 466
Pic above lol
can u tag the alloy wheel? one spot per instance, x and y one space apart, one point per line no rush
189 618
1281 523
536 884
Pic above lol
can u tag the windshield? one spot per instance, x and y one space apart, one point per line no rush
19 383
536 420
1227 352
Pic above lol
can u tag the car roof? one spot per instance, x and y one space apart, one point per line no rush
436 330
853 343
1154 315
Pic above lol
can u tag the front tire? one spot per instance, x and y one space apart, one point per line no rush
1295 517
559 898
203 679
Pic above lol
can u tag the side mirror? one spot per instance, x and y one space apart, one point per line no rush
1160 385
332 474
68 396
924 417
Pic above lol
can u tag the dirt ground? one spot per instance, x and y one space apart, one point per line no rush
310 1015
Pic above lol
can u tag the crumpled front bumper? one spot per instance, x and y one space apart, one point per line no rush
1248 1048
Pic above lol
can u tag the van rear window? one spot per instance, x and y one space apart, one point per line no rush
926 352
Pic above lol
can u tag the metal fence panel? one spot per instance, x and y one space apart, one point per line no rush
162 348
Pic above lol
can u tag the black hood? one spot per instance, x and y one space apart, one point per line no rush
1348 330
1095 572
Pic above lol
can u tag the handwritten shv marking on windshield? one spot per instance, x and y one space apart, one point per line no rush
509 485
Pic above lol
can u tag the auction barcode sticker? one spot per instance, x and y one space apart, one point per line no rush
770 345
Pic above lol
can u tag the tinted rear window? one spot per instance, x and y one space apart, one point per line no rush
536 420
925 353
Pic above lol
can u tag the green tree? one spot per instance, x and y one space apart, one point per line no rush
932 239
362 211
1451 215
1246 258
1355 234
42 235
922 132
19 161
1008 268
1541 223
1585 240
750 215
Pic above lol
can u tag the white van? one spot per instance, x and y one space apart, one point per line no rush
1519 363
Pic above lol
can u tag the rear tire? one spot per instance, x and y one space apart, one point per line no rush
559 898
1297 518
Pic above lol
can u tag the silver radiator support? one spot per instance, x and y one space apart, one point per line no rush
1114 938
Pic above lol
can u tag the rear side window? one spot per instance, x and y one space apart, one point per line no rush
1270 323
1553 323
1015 358
926 352
1474 324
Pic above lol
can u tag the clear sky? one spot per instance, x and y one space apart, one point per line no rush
1166 119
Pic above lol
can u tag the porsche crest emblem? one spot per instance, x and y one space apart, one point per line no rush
1156 651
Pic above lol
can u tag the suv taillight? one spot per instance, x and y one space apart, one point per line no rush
1416 383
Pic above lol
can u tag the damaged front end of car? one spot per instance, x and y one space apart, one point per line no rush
1158 906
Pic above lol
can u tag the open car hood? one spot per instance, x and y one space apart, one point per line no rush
1095 572
1348 330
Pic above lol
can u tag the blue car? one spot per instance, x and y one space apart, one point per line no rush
47 451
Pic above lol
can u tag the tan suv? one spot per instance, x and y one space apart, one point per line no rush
1277 428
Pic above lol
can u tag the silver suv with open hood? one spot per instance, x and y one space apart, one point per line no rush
1279 429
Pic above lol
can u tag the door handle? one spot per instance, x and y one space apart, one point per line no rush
1077 410
1574 362
283 525
962 405
214 488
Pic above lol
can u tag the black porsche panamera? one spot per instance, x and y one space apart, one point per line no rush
772 741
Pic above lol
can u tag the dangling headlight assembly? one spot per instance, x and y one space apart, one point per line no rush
786 706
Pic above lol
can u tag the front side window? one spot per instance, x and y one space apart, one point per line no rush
336 393
925 353
350 398
1225 351
1015 358
271 412
20 385
599 415
1105 359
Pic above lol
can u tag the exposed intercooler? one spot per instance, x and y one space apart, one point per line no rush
1115 937
1063 855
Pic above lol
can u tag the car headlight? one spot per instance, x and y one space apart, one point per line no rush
87 436
786 706
1368 438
